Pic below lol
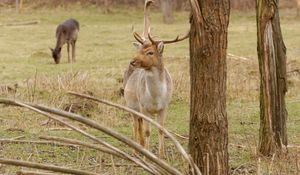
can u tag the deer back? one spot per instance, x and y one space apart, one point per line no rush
66 32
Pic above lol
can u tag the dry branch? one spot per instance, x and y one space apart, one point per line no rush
148 119
237 57
21 23
180 136
293 71
22 172
76 142
110 132
43 110
5 141
44 167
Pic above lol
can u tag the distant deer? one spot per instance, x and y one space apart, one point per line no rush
65 33
148 84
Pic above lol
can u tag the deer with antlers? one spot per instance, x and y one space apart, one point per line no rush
148 84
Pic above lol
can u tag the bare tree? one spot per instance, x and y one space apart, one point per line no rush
208 143
167 10
272 65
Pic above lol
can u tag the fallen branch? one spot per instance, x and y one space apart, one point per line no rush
76 142
44 167
93 124
21 23
4 141
22 172
17 137
41 109
195 169
15 129
60 129
292 71
179 136
237 57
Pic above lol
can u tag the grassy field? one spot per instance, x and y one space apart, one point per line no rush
27 72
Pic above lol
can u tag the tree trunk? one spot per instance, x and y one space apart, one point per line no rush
208 143
272 66
167 10
298 8
107 6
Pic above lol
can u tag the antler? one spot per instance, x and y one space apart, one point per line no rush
177 39
146 18
146 30
138 38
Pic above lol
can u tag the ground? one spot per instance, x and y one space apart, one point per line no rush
104 49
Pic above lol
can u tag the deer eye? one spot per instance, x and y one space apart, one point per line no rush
150 53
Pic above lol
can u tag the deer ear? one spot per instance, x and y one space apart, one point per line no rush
51 49
160 47
137 45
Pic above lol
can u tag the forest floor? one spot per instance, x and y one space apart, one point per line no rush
104 49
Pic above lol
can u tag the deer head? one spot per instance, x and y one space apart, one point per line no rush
149 51
56 54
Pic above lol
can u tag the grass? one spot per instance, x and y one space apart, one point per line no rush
104 49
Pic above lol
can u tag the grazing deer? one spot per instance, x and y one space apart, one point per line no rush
148 84
65 33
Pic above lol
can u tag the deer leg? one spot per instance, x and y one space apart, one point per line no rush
141 131
68 49
147 129
73 51
135 128
161 121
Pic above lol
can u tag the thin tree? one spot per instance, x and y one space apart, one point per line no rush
208 143
273 86
167 10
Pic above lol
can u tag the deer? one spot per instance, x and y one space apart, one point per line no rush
66 32
147 83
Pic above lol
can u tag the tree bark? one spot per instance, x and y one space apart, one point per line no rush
167 10
273 86
208 143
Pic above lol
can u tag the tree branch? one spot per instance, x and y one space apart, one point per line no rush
148 119
44 167
43 110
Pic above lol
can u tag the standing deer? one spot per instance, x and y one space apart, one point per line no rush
148 84
65 33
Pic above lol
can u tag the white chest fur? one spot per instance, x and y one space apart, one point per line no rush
153 91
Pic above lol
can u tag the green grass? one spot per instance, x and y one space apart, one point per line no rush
103 51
